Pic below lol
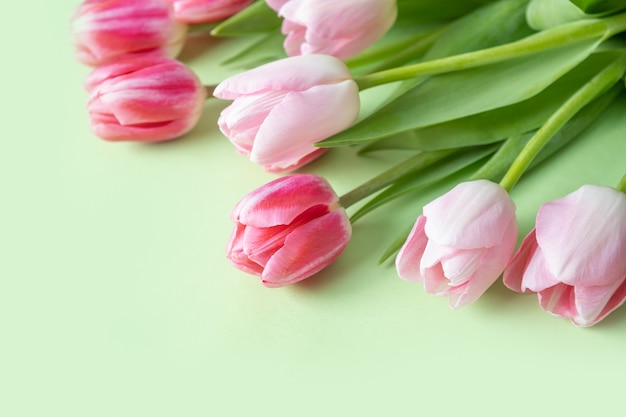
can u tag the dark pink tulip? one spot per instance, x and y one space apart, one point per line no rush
288 230
462 242
203 11
338 28
143 98
575 257
104 30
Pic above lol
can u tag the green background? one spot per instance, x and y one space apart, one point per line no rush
117 298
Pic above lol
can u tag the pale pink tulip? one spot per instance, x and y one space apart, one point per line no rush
575 257
143 98
339 28
283 108
202 11
103 30
461 243
288 230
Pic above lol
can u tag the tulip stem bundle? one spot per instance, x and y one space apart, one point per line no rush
402 51
413 164
563 35
596 86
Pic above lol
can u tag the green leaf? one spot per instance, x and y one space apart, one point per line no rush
253 20
463 93
495 23
600 6
491 25
425 177
577 125
498 124
430 11
544 14
395 246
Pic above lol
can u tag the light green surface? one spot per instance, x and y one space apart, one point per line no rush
117 299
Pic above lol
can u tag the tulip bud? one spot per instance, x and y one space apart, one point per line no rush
288 230
575 257
462 242
104 30
144 98
204 11
339 28
283 108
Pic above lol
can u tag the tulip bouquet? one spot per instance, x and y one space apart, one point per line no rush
476 93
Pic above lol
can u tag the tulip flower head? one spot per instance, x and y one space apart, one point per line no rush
461 243
283 108
143 98
288 230
575 257
104 30
338 28
203 11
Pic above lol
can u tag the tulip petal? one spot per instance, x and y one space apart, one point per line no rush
241 120
294 39
537 276
463 265
260 243
435 282
341 29
302 119
299 259
434 254
203 11
583 305
558 300
236 254
616 300
472 215
281 201
295 75
585 255
590 302
491 266
276 4
103 31
514 272
281 167
408 258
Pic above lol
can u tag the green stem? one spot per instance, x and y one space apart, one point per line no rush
596 86
622 184
558 36
416 162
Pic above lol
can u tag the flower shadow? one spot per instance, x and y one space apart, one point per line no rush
196 45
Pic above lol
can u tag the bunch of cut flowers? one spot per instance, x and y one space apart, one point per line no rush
475 93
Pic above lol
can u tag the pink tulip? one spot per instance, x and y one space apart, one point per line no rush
339 28
104 30
143 98
288 230
283 108
462 242
575 257
202 11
